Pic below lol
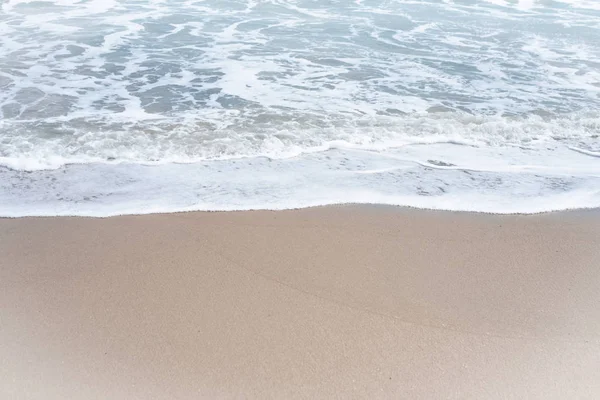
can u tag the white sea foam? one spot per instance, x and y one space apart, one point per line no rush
110 107
441 176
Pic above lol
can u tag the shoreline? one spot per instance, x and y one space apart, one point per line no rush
411 176
334 301
358 206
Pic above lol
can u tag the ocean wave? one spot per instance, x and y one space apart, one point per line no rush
111 107
50 146
439 176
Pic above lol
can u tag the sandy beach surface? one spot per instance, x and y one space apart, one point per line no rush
332 302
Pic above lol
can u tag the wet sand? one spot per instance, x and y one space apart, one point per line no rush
332 302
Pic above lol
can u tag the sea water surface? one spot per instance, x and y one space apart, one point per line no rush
138 106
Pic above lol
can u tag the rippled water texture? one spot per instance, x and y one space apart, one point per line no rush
351 95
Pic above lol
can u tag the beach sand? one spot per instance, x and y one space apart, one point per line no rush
331 302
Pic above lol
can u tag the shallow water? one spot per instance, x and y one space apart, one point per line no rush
110 107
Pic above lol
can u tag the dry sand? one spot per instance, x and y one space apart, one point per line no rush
334 302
